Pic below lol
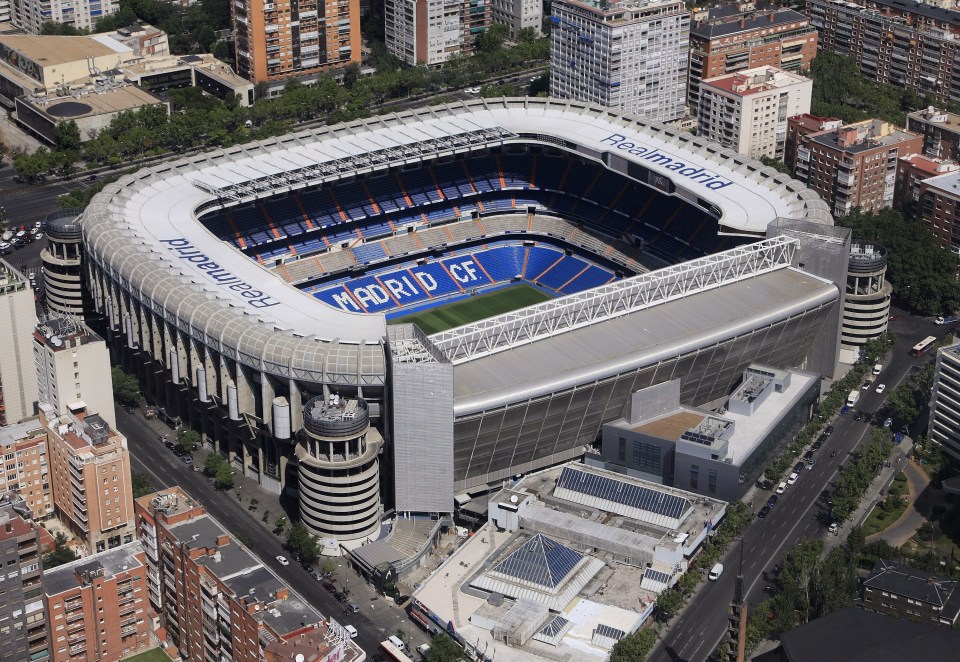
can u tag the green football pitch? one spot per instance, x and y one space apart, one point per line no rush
474 308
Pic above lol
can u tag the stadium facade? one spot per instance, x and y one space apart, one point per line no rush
231 339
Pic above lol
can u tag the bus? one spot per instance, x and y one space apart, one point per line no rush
391 652
923 346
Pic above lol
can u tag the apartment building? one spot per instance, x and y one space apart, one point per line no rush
73 365
802 125
97 606
217 600
315 643
734 37
25 467
854 165
940 130
432 31
747 111
939 208
912 170
518 15
277 40
23 619
30 15
629 55
908 45
944 423
18 317
90 477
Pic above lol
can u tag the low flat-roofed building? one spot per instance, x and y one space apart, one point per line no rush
569 562
719 454
314 643
91 109
202 70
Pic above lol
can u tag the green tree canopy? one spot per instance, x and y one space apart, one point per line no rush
66 136
213 463
126 388
635 647
140 485
223 479
187 439
60 555
444 649
302 542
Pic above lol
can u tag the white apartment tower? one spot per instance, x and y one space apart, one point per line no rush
30 15
18 316
747 111
73 368
630 55
432 31
944 426
519 14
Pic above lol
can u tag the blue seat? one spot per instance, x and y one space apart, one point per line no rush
563 271
539 260
594 276
465 270
503 263
365 253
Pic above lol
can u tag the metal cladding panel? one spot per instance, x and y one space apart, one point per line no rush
423 437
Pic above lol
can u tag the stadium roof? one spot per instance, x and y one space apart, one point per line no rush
144 228
639 338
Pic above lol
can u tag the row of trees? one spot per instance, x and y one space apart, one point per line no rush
858 473
830 405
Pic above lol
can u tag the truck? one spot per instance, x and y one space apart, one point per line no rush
949 319
853 397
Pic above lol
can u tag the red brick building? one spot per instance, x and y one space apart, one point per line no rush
803 125
940 208
912 169
854 166
97 606
733 37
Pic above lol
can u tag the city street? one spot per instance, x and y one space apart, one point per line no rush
378 618
699 628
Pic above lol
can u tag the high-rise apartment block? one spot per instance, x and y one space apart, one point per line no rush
216 600
803 125
98 606
518 15
628 55
730 38
854 165
944 425
940 208
25 467
30 15
23 621
90 476
73 366
432 31
283 39
906 44
747 111
912 170
18 317
940 130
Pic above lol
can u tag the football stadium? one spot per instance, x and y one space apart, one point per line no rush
386 313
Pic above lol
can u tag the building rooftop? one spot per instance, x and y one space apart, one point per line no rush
672 425
251 582
815 122
931 167
11 434
862 136
754 81
729 20
855 635
936 116
946 183
11 280
910 582
313 644
89 103
60 333
52 50
106 564
888 7
171 501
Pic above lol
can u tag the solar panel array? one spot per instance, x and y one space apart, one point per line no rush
554 627
698 438
656 576
608 631
622 492
540 560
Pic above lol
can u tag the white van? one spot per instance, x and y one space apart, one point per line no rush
424 650
877 368
395 640
715 572
352 630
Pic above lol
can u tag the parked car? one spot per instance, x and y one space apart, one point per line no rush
772 501
351 608
881 388
797 468
888 422
781 488
828 431
330 587
400 599
858 416
715 572
793 477
340 597
352 630
810 463
764 512
282 560
834 527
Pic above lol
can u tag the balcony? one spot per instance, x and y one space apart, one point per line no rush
845 179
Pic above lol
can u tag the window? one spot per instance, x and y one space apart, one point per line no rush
622 450
646 455
712 481
694 476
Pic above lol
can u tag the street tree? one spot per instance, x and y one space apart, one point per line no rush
140 485
213 463
223 479
187 440
66 137
635 647
126 388
303 543
444 649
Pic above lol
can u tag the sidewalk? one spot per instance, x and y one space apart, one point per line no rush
899 532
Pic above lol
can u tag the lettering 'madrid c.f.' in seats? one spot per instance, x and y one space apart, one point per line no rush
186 251
667 161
